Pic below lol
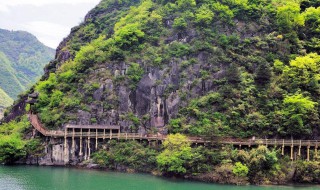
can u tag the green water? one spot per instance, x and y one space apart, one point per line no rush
47 178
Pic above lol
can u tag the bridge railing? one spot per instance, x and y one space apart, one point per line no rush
195 139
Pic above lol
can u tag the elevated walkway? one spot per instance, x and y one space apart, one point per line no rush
243 142
106 132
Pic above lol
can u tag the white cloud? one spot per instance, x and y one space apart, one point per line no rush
6 4
43 2
49 20
48 33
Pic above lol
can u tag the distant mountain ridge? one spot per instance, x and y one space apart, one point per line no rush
22 58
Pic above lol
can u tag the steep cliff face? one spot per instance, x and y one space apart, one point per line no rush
236 68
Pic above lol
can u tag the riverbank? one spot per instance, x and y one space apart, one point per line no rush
223 165
176 156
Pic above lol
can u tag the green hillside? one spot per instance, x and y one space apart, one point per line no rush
22 59
210 69
227 68
5 101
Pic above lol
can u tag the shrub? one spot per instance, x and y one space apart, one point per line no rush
204 15
240 170
129 36
307 172
180 24
12 145
134 74
131 154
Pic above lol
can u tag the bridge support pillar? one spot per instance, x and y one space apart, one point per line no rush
73 144
299 151
86 149
308 153
80 152
96 139
89 149
65 146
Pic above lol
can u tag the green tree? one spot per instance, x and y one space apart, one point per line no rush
180 24
289 17
312 18
176 154
233 74
224 12
134 74
186 4
261 162
11 149
204 15
129 36
263 74
297 108
12 144
303 73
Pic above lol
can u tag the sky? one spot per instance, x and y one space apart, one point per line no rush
49 20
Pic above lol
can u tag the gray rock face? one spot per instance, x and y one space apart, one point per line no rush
125 103
97 95
84 117
157 96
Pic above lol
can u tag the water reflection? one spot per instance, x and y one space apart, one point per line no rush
47 178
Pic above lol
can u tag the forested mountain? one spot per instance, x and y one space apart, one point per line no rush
235 68
22 59
232 69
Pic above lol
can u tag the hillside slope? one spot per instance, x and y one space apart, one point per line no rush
22 58
5 101
205 67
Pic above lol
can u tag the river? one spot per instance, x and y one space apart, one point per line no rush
51 178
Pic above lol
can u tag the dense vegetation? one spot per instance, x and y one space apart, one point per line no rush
131 154
13 144
22 58
245 67
215 164
236 68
